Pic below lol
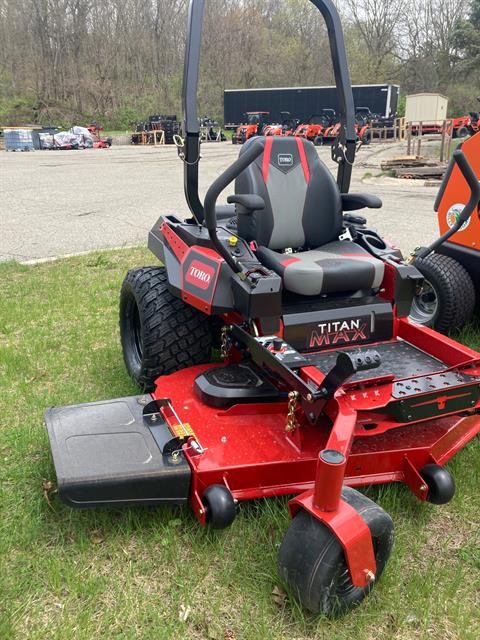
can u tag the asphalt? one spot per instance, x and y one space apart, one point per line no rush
55 203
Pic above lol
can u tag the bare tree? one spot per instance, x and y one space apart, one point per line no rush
119 60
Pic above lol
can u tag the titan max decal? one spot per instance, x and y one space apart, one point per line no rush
339 332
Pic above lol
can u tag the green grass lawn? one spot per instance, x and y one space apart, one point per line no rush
153 573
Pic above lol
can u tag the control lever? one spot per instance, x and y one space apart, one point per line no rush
352 219
346 366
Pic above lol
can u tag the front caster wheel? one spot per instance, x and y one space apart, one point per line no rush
219 506
312 563
440 483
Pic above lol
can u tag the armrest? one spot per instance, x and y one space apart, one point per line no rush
247 202
355 201
224 212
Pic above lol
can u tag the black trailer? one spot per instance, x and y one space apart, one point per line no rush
301 102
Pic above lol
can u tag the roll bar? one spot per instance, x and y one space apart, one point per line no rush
216 188
343 152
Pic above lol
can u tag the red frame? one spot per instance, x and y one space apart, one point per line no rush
248 449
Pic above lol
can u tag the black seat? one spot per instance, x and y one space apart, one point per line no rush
297 232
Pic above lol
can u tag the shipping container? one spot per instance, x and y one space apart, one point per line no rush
302 102
426 107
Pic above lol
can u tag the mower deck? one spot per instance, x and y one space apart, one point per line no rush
120 451
247 449
106 453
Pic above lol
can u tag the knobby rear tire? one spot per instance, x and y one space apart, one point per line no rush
160 334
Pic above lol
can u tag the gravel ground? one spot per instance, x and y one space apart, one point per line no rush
64 202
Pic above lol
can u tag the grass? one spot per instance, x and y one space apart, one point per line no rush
154 573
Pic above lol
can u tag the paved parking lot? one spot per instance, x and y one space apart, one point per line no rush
54 203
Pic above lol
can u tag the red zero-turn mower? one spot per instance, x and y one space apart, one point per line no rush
325 384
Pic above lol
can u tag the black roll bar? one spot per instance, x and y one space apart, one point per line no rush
343 152
216 189
191 128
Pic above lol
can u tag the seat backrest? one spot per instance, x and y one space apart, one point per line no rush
302 200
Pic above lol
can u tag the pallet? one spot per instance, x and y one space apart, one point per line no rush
421 172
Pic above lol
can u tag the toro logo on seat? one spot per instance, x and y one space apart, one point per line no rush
199 274
285 160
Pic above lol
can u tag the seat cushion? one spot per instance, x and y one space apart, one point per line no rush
334 268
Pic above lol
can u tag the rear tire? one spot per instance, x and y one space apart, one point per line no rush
159 333
312 563
367 137
447 301
462 132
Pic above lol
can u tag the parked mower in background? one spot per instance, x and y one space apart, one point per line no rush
465 126
325 385
316 125
255 122
99 142
451 267
286 128
363 124
460 127
474 120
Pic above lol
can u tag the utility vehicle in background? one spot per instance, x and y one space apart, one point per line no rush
255 122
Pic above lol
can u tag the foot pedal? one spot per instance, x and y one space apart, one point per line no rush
109 454
234 384
346 366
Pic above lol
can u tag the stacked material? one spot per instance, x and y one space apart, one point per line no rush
415 167
18 140
76 138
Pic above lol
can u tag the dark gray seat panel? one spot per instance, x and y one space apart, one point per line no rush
303 206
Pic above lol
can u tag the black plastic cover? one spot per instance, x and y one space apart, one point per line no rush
105 454
259 298
234 384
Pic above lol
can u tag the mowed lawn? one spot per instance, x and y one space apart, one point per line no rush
153 573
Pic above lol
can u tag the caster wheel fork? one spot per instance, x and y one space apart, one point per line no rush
312 561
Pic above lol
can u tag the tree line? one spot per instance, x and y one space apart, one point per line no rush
117 61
